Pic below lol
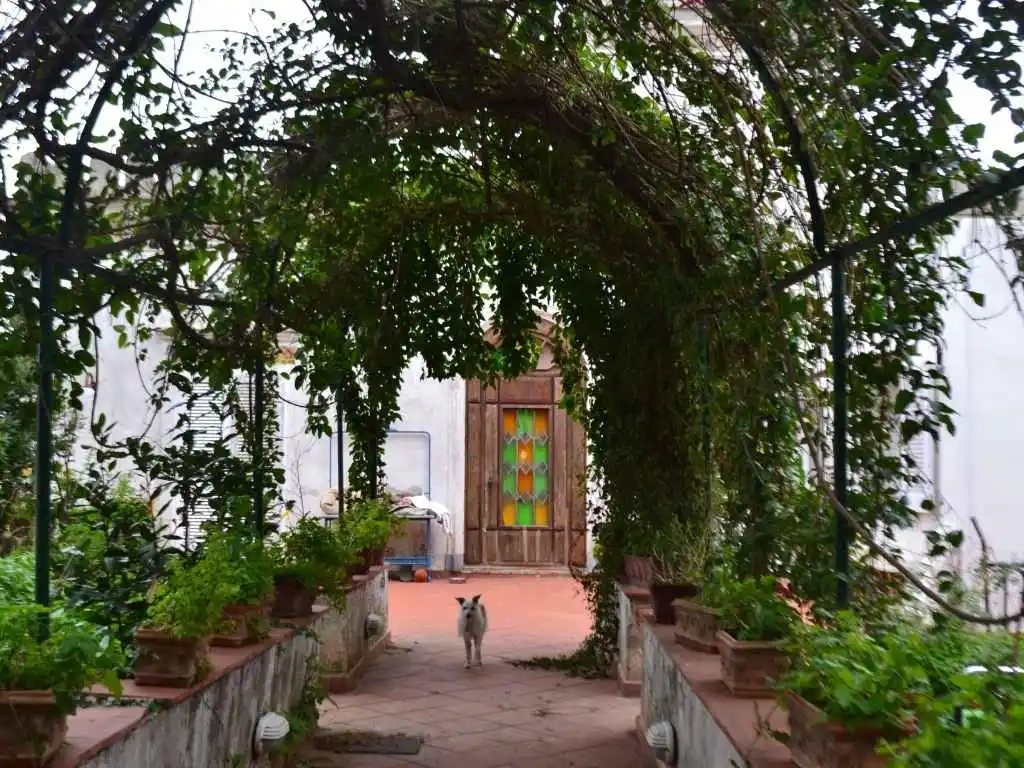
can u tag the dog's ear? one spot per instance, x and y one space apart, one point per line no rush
460 600
476 599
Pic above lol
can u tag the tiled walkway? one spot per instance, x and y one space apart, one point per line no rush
496 716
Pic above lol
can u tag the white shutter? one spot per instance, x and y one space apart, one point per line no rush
208 424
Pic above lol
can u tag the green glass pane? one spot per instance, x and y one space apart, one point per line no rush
524 513
508 482
540 485
540 453
524 422
508 453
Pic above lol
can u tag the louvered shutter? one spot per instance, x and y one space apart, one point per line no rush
208 424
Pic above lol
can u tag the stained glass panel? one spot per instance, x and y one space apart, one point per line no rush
525 467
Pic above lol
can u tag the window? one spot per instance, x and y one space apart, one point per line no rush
525 467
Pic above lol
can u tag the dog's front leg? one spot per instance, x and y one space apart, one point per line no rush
479 642
467 638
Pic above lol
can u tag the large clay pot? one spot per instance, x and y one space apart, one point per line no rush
167 661
243 625
291 598
639 570
750 669
662 596
696 626
816 743
31 728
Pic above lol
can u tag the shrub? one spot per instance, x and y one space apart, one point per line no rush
74 656
316 556
17 578
189 602
749 609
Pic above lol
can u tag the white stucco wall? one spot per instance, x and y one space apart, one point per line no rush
979 466
436 408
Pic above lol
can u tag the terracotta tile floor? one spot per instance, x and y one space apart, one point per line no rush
496 716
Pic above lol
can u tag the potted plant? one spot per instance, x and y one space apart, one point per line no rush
980 723
697 621
753 619
41 682
186 608
309 558
366 527
680 556
245 620
847 690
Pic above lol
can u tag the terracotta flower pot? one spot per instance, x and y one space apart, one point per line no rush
662 596
750 669
243 625
816 743
639 570
169 661
291 598
31 729
696 626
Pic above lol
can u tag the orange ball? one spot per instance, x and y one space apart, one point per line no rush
421 575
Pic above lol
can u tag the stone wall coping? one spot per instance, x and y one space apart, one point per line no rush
742 720
93 729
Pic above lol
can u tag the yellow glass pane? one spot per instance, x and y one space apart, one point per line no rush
508 513
508 422
541 425
526 482
525 453
540 514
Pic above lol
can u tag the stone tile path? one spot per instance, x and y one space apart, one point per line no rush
496 716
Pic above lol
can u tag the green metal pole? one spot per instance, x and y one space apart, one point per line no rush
257 469
840 426
706 417
44 438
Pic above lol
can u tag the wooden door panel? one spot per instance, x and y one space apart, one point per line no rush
512 546
527 390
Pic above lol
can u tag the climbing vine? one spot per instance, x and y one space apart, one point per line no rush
385 180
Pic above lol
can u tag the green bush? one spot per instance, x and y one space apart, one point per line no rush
17 578
368 524
189 602
749 609
990 731
252 568
879 679
107 554
315 556
75 655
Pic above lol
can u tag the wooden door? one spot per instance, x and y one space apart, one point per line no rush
525 459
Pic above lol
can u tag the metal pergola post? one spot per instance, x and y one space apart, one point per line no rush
339 405
840 427
44 438
258 428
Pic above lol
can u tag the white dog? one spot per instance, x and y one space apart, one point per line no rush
472 626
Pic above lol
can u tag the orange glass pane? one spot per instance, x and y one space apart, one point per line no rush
525 482
541 425
540 514
508 513
508 422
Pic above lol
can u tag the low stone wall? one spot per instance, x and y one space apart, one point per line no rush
350 643
713 729
632 602
211 725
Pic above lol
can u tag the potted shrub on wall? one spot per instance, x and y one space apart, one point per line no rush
246 619
365 528
753 619
309 559
41 683
187 607
980 723
680 556
847 690
697 620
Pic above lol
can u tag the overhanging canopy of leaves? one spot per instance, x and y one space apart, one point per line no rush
373 174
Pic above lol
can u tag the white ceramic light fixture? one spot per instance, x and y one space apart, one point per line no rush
661 737
270 733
